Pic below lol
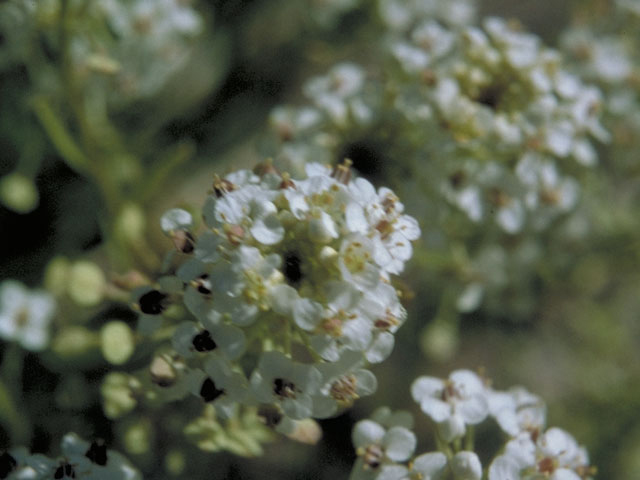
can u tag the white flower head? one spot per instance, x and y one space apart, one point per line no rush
286 383
453 403
379 449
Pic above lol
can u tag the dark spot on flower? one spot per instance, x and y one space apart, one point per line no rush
153 302
209 392
271 416
491 96
203 342
291 268
284 388
202 284
65 470
457 178
7 465
97 453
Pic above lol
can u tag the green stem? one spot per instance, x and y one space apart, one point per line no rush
10 391
59 136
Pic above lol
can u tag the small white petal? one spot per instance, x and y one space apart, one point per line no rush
367 432
399 444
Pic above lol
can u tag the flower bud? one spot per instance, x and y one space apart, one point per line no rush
117 342
86 283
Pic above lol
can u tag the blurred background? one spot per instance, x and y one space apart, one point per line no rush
575 343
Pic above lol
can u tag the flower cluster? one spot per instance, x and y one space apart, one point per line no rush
285 268
25 315
602 48
385 443
79 459
131 47
491 129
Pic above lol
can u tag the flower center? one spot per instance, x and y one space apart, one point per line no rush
153 302
97 453
292 268
203 342
65 470
372 457
284 388
343 390
209 392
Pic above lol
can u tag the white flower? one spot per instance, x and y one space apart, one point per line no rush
554 455
94 461
25 315
379 449
517 410
454 403
430 466
466 466
222 386
286 383
344 381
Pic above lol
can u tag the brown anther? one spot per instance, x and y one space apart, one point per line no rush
202 284
550 197
183 241
428 77
372 457
387 322
342 171
499 198
343 390
389 203
332 326
547 465
234 233
286 182
162 372
385 227
265 168
222 186
449 391
586 471
284 388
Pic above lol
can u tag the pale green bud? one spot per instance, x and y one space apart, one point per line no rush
117 342
74 341
18 193
117 394
86 283
56 275
130 223
439 341
175 462
138 436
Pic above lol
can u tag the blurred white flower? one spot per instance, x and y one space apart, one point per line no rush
25 315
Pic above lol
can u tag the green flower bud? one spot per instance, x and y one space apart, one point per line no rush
138 436
117 342
86 283
439 341
117 394
175 462
18 193
130 223
74 341
56 275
